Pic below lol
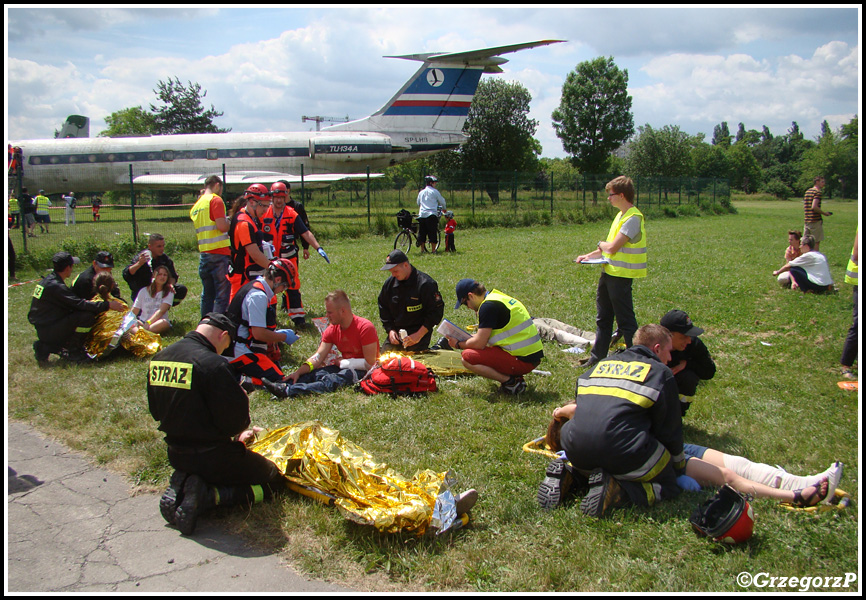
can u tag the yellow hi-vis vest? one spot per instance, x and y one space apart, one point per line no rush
851 271
519 337
630 261
206 233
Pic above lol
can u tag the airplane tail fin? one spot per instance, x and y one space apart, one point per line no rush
75 126
438 96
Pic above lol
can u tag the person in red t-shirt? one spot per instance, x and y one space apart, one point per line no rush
355 338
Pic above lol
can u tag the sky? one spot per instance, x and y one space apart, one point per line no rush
266 67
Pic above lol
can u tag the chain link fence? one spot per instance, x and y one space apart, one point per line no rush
120 221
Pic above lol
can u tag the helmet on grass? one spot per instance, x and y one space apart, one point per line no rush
726 517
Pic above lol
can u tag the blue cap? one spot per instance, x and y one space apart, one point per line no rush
464 286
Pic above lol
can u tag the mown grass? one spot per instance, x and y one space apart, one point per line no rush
775 403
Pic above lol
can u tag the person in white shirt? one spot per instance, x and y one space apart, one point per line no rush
809 271
429 203
153 302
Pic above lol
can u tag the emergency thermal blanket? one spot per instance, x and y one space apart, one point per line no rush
364 490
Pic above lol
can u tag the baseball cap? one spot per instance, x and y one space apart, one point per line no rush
105 259
397 257
62 259
464 286
679 322
221 321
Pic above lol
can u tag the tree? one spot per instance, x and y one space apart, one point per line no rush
133 121
721 135
500 132
182 111
664 152
594 116
744 171
833 157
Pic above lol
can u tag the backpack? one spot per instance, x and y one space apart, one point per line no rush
401 375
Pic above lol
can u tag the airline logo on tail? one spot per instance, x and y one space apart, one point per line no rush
441 91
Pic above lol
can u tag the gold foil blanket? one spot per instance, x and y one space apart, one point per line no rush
114 327
365 491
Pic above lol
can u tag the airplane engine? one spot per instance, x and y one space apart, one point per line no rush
349 147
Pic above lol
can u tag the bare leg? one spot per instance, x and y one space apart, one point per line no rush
709 474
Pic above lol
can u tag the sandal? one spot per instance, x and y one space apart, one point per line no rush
820 493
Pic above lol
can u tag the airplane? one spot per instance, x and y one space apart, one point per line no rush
424 117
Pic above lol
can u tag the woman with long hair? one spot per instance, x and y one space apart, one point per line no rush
153 302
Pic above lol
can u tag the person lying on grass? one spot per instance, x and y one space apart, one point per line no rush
714 468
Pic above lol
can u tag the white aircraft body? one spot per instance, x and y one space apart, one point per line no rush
425 116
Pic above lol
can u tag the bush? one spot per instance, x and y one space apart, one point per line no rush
777 188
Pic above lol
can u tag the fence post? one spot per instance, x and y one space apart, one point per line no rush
132 206
472 187
303 199
368 196
584 193
19 177
551 193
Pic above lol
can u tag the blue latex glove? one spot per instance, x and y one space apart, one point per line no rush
321 252
291 336
688 484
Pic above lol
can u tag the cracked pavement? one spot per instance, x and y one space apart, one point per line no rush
73 527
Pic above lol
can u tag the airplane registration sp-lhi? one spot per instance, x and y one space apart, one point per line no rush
425 116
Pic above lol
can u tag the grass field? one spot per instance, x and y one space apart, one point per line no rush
774 399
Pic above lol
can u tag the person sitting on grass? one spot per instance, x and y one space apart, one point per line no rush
809 271
356 339
791 252
704 465
154 301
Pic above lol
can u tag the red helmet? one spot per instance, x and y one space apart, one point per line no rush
279 189
726 517
257 191
287 269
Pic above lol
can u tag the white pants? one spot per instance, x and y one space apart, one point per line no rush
70 214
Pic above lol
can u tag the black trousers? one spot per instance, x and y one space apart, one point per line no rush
613 300
230 463
849 351
428 229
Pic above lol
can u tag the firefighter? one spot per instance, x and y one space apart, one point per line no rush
194 394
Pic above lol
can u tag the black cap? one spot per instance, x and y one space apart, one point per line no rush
396 257
62 259
221 321
679 322
105 260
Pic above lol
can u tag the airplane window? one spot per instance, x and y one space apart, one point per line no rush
130 157
35 160
110 158
168 155
92 158
151 156
72 160
54 160
233 153
213 154
269 152
251 153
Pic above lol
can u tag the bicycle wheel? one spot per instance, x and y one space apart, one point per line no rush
404 241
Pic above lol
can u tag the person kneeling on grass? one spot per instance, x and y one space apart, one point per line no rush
194 394
507 345
707 467
356 339
809 271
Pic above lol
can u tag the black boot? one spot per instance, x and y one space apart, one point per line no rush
198 496
280 390
172 497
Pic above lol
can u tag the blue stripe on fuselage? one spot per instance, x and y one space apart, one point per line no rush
456 81
445 111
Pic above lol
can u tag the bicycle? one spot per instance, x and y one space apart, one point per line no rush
408 236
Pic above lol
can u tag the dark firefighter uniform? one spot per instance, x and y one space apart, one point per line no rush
285 232
628 422
62 319
201 408
411 303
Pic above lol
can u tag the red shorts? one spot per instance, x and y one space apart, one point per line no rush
497 359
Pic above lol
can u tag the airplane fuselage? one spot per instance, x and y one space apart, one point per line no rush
103 164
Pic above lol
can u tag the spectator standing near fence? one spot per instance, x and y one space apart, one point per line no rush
42 216
814 223
430 202
28 212
208 215
94 206
70 202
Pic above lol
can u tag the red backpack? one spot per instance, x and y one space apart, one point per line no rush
400 375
